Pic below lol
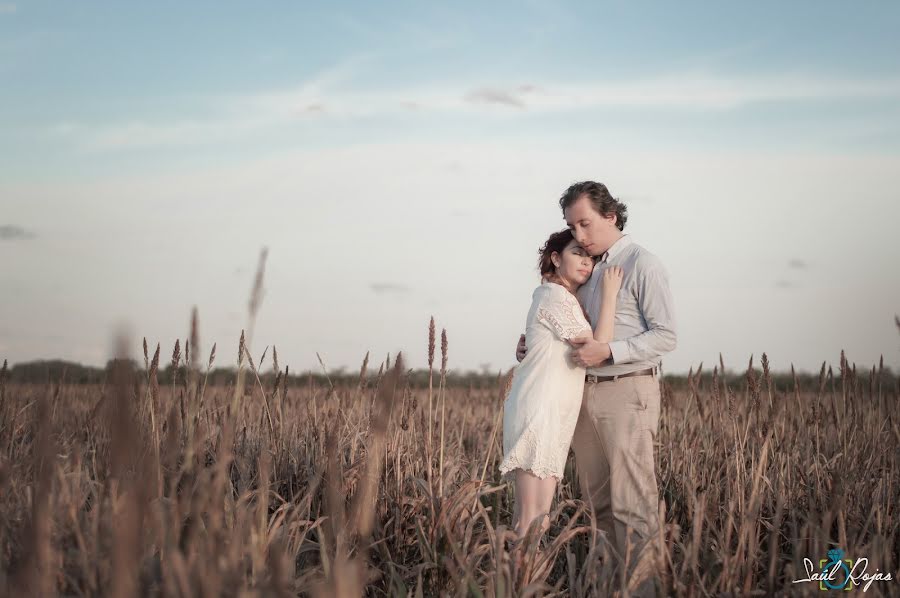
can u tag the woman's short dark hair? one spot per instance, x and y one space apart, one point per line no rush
557 242
599 197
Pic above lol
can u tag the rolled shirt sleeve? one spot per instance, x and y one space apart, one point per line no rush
656 306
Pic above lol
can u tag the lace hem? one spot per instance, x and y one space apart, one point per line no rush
508 469
538 457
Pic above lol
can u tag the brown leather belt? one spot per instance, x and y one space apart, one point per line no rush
593 378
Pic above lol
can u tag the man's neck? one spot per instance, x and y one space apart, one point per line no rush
612 242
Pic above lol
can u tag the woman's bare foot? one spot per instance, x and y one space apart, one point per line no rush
528 557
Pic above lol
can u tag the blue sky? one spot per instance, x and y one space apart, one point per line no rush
404 160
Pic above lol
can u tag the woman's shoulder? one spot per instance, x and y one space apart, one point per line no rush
542 290
553 297
546 291
549 287
557 292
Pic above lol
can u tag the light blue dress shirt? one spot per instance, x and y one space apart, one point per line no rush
645 316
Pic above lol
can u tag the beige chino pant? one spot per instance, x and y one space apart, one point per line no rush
613 443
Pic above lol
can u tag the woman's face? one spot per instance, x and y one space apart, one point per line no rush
574 264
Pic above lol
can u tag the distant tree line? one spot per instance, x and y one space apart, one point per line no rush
67 372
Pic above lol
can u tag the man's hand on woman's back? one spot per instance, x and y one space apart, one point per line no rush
521 349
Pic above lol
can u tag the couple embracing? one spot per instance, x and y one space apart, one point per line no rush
588 375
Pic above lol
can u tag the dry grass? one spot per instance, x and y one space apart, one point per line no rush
378 488
333 494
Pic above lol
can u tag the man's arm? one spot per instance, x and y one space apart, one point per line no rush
588 352
657 307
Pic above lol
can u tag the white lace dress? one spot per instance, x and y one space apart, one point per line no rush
540 412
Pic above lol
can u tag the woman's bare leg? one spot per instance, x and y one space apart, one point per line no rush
534 497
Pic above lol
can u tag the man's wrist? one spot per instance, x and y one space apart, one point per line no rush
606 353
604 347
619 352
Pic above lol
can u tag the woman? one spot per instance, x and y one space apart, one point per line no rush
540 412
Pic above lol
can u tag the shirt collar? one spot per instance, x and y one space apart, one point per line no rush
616 248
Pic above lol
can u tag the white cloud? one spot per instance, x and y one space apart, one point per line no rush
11 232
323 97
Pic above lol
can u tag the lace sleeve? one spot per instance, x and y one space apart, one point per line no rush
563 316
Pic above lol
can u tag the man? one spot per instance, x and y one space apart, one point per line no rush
619 418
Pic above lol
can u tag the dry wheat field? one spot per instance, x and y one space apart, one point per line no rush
387 485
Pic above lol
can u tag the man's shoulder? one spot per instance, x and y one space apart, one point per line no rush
643 258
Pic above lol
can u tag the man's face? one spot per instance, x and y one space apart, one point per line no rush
591 229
